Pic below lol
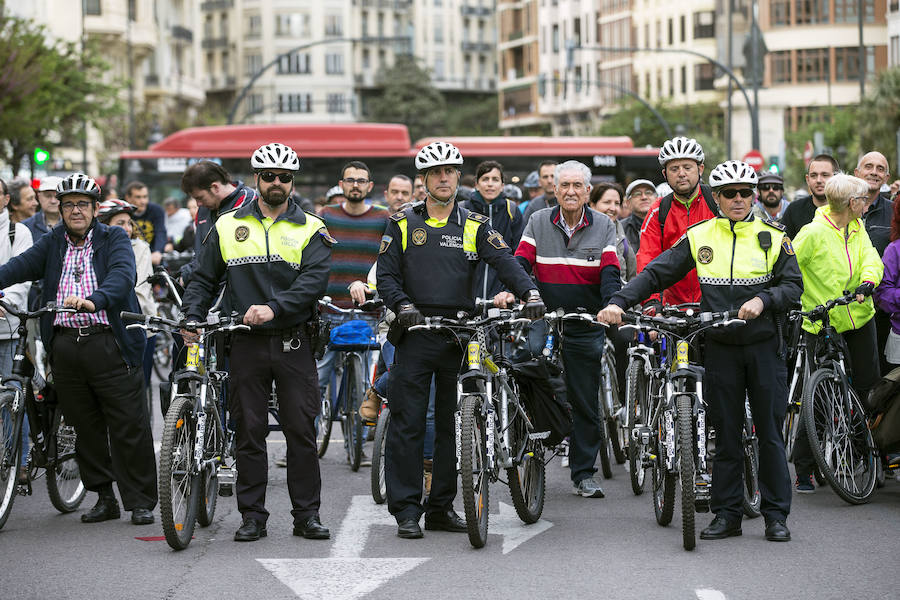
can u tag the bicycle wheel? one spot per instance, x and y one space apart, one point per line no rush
473 470
179 488
10 452
605 444
638 410
64 485
840 440
213 447
617 442
352 422
323 423
663 485
752 497
792 420
379 486
162 354
685 427
526 478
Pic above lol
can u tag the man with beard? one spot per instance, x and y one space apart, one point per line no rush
771 203
275 261
801 211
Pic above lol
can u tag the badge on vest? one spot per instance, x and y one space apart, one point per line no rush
242 233
419 236
705 255
496 240
385 243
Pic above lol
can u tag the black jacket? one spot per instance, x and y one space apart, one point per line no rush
878 222
503 216
547 200
632 226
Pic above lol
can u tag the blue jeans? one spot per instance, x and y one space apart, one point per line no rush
7 350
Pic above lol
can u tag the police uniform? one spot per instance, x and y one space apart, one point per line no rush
431 264
735 262
283 264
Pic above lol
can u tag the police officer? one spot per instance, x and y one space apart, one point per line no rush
748 264
275 261
426 267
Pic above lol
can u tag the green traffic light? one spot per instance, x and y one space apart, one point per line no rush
773 168
41 156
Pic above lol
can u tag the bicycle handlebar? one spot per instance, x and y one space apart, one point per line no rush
24 315
678 324
367 306
154 323
817 313
560 315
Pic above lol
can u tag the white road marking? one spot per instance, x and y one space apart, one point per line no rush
513 530
705 594
337 578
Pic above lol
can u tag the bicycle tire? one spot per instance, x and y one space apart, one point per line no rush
663 486
64 485
752 500
473 470
638 407
179 490
605 446
352 421
792 420
685 427
379 484
324 422
840 439
10 456
527 477
214 442
617 443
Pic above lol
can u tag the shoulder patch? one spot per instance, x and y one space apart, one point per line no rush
774 225
385 242
477 217
786 245
496 240
398 216
326 237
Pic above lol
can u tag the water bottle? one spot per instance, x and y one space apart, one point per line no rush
548 344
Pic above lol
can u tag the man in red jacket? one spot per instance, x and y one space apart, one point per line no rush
690 202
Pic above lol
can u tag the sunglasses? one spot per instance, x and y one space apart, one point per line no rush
767 187
731 193
269 177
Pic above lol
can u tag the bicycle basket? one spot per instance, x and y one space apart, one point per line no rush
353 335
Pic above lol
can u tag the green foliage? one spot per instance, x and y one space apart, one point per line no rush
880 110
474 116
408 97
840 128
46 86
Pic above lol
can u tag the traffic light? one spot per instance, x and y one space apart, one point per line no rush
773 167
41 156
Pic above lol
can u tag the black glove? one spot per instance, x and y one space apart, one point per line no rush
409 315
652 308
865 289
534 308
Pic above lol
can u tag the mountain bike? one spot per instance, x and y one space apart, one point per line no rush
676 427
611 409
493 431
52 448
378 482
196 457
352 375
168 298
833 416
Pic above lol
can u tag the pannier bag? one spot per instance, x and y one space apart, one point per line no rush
549 413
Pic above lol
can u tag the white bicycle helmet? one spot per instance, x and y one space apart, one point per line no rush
78 183
275 156
681 147
437 154
732 171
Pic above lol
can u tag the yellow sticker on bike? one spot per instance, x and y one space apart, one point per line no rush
682 360
473 355
193 356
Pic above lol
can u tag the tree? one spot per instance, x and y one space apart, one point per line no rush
48 88
408 97
839 127
880 117
473 116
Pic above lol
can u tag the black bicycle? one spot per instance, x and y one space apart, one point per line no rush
26 392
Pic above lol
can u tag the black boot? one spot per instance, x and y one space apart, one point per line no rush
106 509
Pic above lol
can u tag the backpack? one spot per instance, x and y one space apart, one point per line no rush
884 408
549 412
666 204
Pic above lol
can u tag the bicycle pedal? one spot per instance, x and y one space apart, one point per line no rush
369 423
701 506
226 490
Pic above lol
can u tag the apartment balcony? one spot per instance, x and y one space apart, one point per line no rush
220 82
395 5
215 43
477 47
365 80
216 5
475 11
182 34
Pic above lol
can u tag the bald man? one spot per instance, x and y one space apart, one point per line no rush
873 167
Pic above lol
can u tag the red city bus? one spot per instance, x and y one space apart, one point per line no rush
385 148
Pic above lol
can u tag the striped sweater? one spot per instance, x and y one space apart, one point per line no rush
359 238
581 272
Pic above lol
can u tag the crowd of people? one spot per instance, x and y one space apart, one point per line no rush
430 245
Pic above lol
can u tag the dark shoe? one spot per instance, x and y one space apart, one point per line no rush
720 529
106 509
141 516
804 484
312 529
22 477
445 521
409 529
250 531
777 531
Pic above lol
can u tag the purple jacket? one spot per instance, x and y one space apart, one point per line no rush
887 295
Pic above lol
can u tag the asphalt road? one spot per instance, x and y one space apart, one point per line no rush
582 548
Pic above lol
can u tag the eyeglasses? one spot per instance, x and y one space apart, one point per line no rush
360 182
767 187
731 193
269 177
644 193
70 206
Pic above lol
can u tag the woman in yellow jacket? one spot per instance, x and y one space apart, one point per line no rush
835 254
